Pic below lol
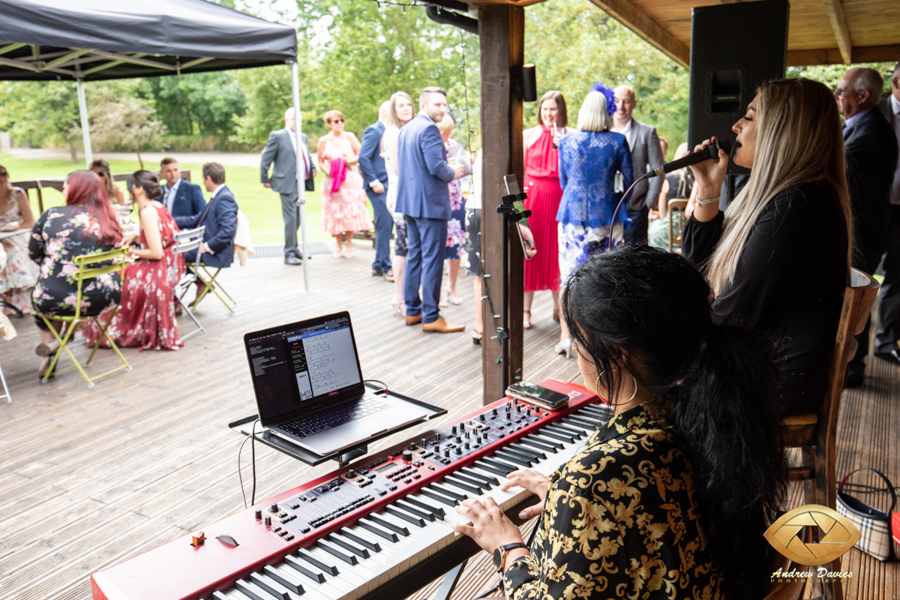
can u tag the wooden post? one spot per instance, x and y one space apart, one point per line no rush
501 31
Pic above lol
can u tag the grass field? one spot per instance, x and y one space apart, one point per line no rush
262 206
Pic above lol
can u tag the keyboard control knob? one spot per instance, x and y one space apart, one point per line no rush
407 455
268 521
274 508
447 453
258 514
453 430
459 450
351 474
467 445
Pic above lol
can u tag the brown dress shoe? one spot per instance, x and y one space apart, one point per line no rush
441 326
413 319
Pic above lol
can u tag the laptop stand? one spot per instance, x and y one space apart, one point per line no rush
245 427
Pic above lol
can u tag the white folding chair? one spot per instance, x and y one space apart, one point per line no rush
5 389
190 239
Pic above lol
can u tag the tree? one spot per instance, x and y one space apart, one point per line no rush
41 113
124 122
204 103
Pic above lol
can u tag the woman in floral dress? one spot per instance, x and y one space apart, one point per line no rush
146 319
85 225
19 274
344 209
456 226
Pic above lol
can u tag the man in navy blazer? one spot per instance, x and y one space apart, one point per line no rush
375 182
424 198
220 219
180 197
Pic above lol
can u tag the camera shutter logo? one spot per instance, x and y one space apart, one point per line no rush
836 535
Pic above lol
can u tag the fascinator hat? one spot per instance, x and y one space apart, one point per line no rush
610 96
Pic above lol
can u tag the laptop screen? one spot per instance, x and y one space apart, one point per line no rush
303 365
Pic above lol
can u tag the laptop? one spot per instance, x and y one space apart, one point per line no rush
309 386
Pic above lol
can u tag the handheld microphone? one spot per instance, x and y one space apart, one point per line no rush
710 153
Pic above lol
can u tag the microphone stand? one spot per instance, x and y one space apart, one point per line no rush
511 216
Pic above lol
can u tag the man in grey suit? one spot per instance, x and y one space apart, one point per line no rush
646 154
282 151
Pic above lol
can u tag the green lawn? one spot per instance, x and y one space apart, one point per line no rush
262 206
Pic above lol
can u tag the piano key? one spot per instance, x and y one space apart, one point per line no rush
487 479
547 433
388 556
536 438
381 521
587 423
469 487
347 580
331 548
272 587
437 496
253 592
402 514
566 430
501 471
286 581
303 567
327 567
462 475
415 509
527 451
364 541
514 457
219 596
348 545
426 503
447 491
382 532
495 461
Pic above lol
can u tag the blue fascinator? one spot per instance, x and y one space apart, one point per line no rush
610 96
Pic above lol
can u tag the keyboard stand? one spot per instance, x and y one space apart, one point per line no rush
343 457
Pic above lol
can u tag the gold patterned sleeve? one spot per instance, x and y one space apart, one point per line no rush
619 522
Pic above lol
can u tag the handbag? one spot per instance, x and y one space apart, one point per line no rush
873 524
310 183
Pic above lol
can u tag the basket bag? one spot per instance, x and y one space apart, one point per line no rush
873 524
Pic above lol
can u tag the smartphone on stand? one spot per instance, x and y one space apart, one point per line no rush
538 395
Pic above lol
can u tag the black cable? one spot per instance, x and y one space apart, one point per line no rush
384 386
619 205
240 475
251 437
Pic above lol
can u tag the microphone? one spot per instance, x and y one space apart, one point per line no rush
710 153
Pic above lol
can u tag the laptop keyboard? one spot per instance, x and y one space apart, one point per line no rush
334 417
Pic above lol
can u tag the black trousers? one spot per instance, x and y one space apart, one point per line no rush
872 241
887 329
640 224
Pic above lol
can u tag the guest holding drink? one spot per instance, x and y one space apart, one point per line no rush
18 274
544 194
344 209
456 226
401 113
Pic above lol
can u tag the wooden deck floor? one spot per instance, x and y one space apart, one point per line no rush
89 478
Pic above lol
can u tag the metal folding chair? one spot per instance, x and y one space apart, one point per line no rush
185 241
5 389
209 280
89 267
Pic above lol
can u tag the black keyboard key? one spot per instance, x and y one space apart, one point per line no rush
402 514
249 591
265 584
515 457
528 451
284 580
476 481
346 544
317 562
463 485
305 569
358 539
438 497
389 526
332 549
448 492
547 432
415 509
502 472
436 511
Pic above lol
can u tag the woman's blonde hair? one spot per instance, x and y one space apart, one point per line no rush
593 115
446 125
395 98
798 140
331 115
103 166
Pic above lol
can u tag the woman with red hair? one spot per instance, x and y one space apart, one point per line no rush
85 225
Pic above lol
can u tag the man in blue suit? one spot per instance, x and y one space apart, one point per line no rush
423 197
180 197
220 219
375 182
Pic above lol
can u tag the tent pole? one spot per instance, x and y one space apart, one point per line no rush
85 126
301 183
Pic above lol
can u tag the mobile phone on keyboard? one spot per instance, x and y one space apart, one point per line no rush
537 395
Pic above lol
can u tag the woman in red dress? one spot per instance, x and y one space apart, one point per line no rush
544 194
146 317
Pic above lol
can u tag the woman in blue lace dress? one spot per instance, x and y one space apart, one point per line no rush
589 160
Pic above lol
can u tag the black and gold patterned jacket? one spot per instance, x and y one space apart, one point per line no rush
620 521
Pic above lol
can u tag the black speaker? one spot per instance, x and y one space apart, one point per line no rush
734 48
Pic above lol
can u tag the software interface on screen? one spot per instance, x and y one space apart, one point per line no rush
294 366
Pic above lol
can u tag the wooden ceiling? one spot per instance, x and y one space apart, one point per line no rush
820 31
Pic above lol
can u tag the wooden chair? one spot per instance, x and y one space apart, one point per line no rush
89 267
675 206
815 434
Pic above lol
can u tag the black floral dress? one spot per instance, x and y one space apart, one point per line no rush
620 521
62 234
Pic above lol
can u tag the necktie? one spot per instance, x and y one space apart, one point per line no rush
203 214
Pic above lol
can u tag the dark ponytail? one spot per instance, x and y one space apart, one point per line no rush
641 311
146 180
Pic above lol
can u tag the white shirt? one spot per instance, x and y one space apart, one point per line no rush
170 196
895 187
624 130
292 133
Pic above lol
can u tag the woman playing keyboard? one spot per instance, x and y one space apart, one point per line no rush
671 500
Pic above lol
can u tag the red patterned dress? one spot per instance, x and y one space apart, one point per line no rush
146 317
544 194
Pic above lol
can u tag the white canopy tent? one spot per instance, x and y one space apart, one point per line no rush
92 40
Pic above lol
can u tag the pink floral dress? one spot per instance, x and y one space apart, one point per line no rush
345 209
19 274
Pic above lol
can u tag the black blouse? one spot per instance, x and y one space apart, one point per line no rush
789 282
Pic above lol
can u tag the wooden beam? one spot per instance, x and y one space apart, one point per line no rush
836 16
647 29
833 56
501 30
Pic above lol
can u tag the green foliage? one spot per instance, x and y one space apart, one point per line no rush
198 103
830 75
124 122
202 143
40 113
268 95
607 52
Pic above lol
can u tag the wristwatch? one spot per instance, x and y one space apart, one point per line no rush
500 555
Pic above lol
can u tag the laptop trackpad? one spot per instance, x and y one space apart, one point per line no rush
356 431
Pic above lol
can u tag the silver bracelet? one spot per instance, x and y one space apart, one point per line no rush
710 201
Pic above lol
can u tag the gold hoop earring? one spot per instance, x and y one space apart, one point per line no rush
597 383
635 388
